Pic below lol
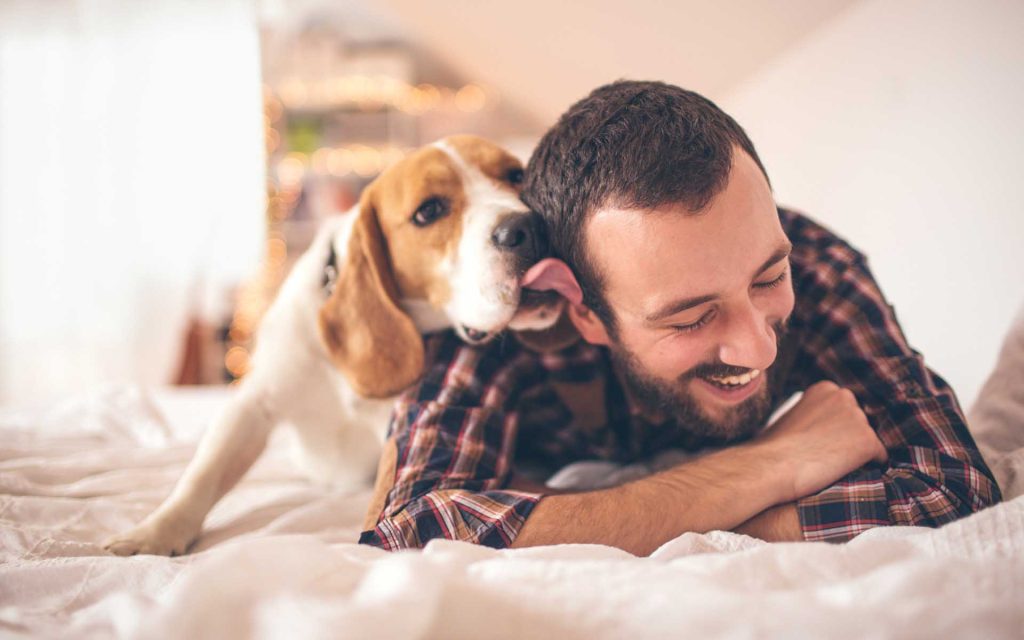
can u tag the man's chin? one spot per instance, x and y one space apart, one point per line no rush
695 406
728 419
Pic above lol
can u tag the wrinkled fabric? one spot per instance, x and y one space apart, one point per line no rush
278 558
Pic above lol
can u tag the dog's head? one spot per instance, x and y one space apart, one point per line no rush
441 240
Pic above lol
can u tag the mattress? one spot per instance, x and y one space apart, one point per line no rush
278 557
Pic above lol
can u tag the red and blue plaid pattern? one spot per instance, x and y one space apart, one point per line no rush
480 412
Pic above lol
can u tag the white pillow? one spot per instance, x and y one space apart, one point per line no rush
997 417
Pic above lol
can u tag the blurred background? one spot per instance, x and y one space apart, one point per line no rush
163 162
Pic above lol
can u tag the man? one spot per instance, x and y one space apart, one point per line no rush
702 307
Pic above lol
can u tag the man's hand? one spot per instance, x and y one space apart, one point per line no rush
822 438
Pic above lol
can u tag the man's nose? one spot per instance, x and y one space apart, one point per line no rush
749 341
522 234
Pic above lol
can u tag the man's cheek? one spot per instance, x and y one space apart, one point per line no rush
673 359
670 371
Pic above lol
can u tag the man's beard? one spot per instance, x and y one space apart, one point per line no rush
672 400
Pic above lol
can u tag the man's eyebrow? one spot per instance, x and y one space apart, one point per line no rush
782 252
679 306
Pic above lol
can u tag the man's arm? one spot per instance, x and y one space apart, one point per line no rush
453 465
848 333
821 439
717 491
781 523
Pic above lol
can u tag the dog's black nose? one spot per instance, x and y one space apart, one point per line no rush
523 234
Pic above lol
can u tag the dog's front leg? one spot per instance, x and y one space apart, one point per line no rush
229 447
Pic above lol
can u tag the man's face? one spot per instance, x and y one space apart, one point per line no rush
700 302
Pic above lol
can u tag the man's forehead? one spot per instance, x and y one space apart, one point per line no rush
647 256
651 241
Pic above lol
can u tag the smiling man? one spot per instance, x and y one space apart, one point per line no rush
702 307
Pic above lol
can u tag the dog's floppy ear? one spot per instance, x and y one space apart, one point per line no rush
555 338
369 337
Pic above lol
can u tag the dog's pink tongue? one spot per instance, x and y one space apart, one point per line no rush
551 274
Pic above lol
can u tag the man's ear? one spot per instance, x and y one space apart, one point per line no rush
588 324
370 339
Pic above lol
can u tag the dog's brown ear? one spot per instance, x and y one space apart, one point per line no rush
371 340
555 338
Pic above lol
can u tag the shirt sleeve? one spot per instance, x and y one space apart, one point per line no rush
935 473
455 440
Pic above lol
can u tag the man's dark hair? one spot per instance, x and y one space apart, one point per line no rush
633 145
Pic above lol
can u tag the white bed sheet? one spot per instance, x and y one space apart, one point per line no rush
277 557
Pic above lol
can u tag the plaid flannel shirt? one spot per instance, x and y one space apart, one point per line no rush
480 412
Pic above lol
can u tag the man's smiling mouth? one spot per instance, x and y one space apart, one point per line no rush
732 382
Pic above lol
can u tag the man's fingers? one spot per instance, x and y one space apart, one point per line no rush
822 387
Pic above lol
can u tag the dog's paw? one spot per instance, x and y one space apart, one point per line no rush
158 538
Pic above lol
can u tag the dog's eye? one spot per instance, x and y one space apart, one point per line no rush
430 211
514 177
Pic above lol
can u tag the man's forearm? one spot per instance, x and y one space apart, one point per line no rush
718 491
780 523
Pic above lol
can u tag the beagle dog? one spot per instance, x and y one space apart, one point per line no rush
439 240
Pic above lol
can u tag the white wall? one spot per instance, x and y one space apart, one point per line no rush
900 125
544 55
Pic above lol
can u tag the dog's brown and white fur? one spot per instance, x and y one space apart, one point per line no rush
328 363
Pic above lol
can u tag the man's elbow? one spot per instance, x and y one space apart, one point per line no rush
982 491
391 536
935 501
487 518
974 486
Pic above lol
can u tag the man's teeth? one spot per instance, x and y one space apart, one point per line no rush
737 380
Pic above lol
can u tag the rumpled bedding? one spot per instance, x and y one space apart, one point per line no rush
277 557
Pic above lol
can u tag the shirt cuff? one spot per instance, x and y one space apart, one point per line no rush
846 509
